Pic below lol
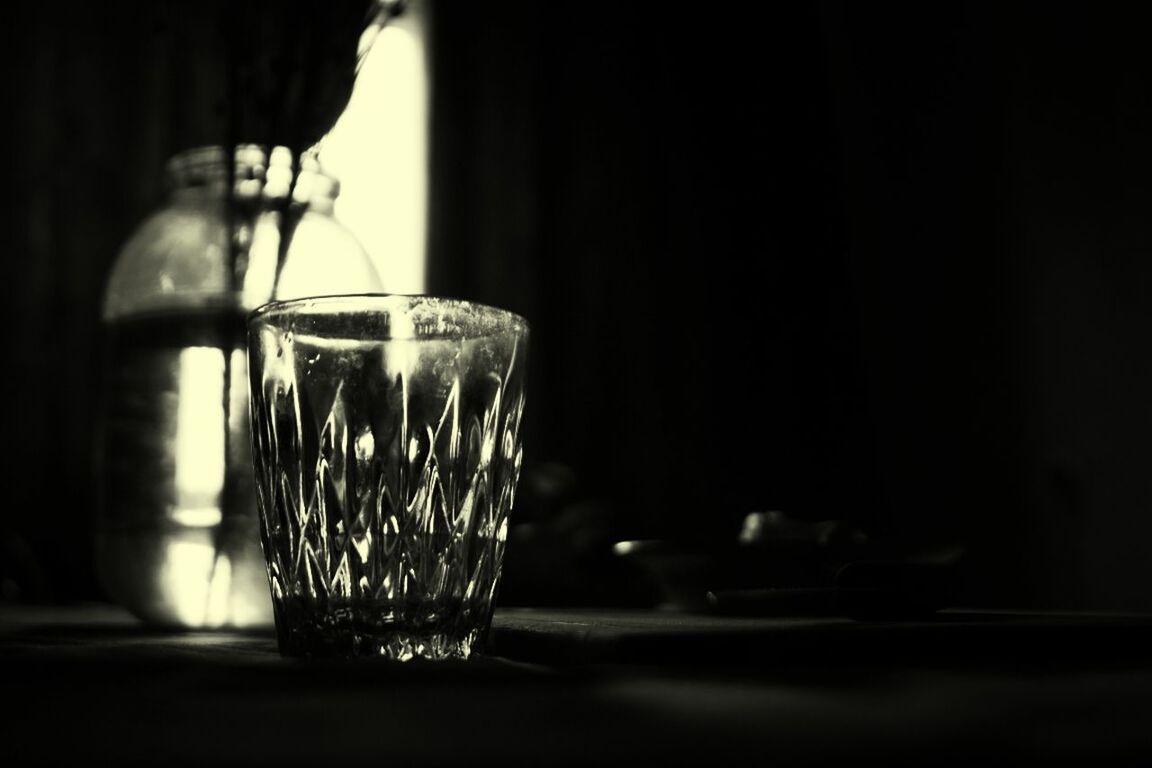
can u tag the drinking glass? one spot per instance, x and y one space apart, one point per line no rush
387 450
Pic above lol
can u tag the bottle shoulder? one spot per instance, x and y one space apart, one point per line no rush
177 258
325 258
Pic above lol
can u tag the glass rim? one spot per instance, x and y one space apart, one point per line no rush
362 301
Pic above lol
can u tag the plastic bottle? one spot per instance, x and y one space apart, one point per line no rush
176 531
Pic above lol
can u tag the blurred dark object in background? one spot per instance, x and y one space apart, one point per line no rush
289 67
880 264
22 576
561 553
782 566
559 549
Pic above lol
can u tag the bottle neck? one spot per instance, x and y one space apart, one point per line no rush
201 173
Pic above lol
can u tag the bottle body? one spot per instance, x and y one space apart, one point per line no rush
177 540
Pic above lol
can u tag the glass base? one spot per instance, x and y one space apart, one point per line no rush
399 645
354 633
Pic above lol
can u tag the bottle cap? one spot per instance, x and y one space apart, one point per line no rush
196 167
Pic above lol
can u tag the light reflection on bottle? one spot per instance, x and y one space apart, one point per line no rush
185 576
200 435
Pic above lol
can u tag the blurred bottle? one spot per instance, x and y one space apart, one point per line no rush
177 535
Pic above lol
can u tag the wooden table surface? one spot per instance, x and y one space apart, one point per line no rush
88 683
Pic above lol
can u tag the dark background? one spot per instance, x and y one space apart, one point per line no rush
883 263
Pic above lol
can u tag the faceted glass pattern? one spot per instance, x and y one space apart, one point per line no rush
386 444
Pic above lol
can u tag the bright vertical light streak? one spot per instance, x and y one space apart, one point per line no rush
379 152
199 449
185 575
